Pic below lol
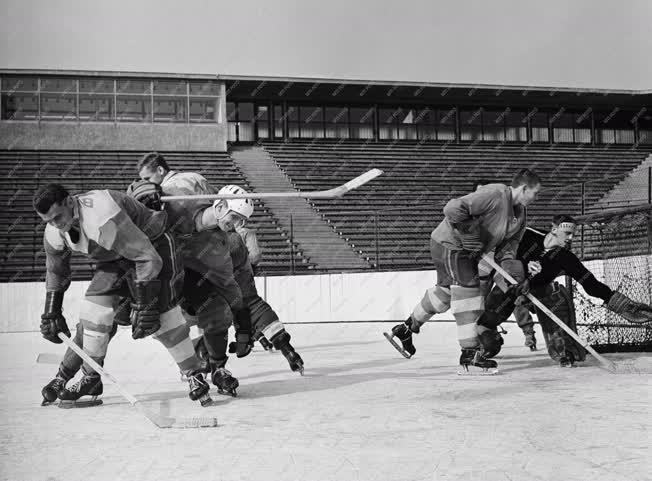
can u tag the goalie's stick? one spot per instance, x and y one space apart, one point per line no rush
333 193
607 364
159 420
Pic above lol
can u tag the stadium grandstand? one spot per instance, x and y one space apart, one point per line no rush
87 129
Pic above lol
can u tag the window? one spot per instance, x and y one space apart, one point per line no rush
493 125
426 124
515 126
133 101
170 100
20 106
312 122
362 122
336 122
540 126
562 127
614 127
471 124
96 100
58 99
387 126
407 129
240 119
293 121
446 124
278 121
262 121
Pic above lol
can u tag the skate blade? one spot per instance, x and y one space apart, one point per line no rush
391 340
45 402
477 372
232 392
87 403
205 401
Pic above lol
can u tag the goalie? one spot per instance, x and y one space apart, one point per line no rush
552 252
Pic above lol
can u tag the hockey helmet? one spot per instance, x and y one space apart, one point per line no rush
244 207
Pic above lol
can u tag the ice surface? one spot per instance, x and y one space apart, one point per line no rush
361 412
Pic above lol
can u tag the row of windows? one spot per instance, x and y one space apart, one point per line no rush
108 100
249 122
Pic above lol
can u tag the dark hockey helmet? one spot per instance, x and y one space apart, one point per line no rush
147 193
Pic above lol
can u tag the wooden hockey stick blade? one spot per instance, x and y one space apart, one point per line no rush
157 419
333 193
48 358
607 364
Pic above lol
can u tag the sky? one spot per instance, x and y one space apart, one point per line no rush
551 43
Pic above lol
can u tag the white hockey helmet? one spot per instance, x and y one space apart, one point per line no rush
244 207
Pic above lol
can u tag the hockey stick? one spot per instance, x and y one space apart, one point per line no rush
607 364
333 193
159 420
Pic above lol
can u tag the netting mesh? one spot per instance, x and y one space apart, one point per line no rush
616 247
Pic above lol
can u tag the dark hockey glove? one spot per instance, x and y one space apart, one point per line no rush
147 193
52 320
242 345
518 290
145 314
633 311
122 314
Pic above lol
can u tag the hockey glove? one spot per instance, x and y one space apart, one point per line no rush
52 321
147 193
242 345
122 314
518 290
633 311
145 314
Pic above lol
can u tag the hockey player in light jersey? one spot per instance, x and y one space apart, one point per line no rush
233 213
135 258
212 297
491 218
551 251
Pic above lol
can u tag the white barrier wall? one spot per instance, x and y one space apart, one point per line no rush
314 298
368 296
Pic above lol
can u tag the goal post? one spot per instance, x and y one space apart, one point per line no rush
616 246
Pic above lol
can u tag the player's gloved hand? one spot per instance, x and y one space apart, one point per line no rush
52 320
147 193
633 311
145 314
521 289
122 314
242 345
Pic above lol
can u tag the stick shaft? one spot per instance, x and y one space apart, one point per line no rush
96 367
605 362
315 194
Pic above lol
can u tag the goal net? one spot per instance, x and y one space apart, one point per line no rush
616 246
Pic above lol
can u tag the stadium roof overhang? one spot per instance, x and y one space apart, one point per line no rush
351 91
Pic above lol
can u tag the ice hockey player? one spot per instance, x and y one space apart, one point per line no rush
135 257
552 252
265 321
212 297
521 313
492 218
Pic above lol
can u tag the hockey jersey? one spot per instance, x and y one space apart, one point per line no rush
490 211
206 252
558 261
111 226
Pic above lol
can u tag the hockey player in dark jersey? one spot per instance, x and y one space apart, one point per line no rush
266 324
552 252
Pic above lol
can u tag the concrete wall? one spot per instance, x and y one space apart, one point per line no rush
16 135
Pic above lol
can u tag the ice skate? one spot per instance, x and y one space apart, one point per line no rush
530 341
199 389
225 382
567 360
51 390
295 361
404 334
473 363
87 386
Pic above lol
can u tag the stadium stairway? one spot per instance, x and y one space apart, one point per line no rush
320 243
631 190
